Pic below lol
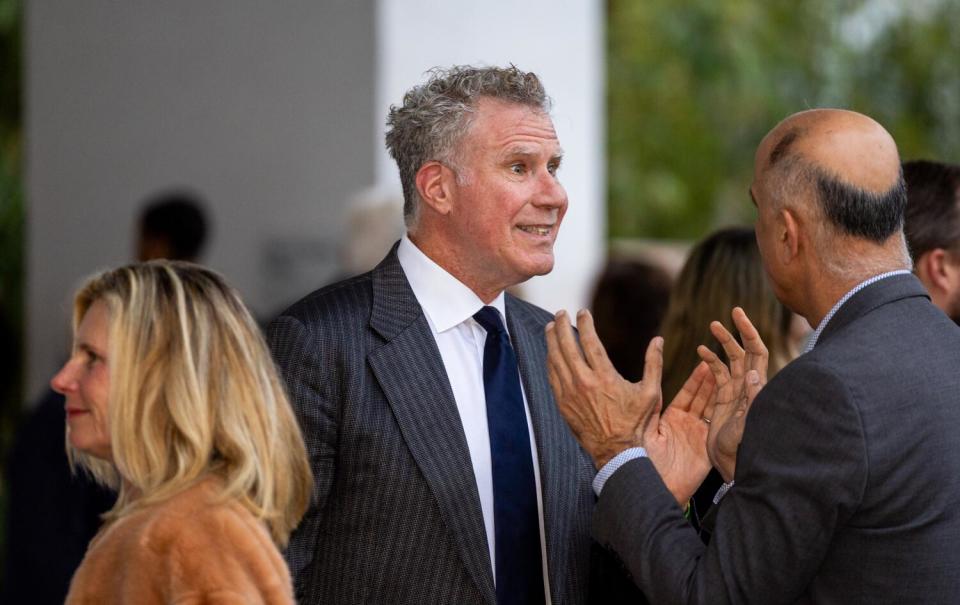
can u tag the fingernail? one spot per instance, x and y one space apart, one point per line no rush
560 314
581 312
549 326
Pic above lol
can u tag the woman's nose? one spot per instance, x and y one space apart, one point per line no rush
63 381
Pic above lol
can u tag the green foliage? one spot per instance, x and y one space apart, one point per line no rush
694 85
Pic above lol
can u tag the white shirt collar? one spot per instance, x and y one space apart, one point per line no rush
826 319
445 300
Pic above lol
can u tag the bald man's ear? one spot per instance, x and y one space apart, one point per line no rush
789 231
433 184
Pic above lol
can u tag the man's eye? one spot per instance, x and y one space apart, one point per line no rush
517 168
553 167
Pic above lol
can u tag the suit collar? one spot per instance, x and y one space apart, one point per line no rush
869 298
395 306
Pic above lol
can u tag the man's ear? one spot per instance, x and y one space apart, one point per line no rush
936 271
434 186
789 231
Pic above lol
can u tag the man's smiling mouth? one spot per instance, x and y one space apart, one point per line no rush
536 229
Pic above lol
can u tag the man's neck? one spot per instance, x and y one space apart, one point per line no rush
443 254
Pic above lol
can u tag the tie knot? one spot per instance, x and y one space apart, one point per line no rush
489 318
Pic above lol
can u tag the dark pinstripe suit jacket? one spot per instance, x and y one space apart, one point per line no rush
395 516
847 480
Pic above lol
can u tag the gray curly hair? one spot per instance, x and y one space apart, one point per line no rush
435 115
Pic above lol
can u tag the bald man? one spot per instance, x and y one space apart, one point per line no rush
844 478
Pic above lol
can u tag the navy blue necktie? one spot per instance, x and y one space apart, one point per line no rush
516 522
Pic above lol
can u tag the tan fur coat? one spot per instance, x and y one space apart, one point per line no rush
188 549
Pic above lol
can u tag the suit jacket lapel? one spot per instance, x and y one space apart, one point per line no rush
413 378
559 457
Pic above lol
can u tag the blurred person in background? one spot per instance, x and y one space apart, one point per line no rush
172 398
628 304
933 230
723 271
374 223
172 225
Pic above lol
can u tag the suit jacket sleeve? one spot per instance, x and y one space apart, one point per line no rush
801 473
307 376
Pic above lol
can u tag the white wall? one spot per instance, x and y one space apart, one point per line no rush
267 109
562 42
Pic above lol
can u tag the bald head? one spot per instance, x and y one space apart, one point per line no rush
843 161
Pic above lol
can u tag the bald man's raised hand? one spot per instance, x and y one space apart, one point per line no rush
609 414
606 412
737 385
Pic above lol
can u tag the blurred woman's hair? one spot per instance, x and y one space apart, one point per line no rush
193 390
628 304
722 272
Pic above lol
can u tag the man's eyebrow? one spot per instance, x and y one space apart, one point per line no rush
528 151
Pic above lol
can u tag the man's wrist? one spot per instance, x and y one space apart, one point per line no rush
609 450
608 469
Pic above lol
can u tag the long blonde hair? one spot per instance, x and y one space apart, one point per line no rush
723 271
193 391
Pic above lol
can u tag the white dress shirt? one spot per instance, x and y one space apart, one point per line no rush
449 307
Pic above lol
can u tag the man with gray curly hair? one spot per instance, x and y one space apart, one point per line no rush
444 472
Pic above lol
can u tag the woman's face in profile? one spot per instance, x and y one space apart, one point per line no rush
85 381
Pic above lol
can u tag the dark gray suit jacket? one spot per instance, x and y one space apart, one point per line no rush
395 516
847 480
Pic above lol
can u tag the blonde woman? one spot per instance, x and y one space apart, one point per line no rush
172 398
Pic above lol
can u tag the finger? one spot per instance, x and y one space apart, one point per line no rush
754 386
559 373
758 357
730 346
684 398
719 369
653 363
567 343
704 393
593 349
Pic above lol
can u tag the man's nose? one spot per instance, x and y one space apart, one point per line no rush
552 193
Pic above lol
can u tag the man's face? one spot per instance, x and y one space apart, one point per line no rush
508 203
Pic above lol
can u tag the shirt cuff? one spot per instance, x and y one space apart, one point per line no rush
614 464
722 491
